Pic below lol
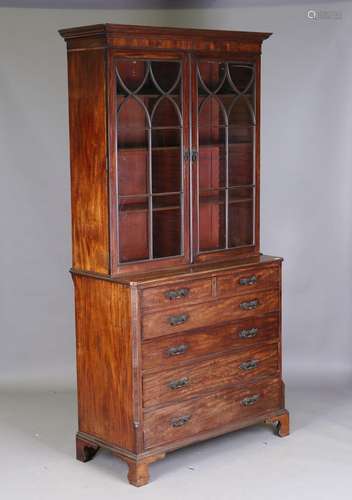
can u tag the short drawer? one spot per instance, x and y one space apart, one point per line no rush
243 281
176 294
170 351
210 313
181 421
190 380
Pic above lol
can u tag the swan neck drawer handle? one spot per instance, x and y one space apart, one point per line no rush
251 304
252 280
180 421
177 294
178 320
249 365
248 333
250 401
178 384
177 350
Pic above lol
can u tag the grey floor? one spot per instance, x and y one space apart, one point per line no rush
315 462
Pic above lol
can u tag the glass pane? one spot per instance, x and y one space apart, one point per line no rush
226 128
149 157
241 216
133 228
166 202
242 77
241 113
133 172
212 167
166 76
165 112
211 76
148 77
131 75
241 163
166 137
166 170
131 112
166 226
211 135
241 134
212 111
132 122
212 220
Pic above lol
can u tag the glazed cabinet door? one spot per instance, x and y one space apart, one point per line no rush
149 136
226 157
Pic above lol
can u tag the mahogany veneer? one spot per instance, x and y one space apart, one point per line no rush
178 315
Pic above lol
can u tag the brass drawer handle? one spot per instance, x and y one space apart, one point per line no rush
177 384
180 421
248 333
249 365
177 294
178 320
176 351
250 401
251 304
252 280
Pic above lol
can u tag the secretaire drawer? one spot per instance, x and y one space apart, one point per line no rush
243 281
180 421
210 313
192 379
175 294
170 351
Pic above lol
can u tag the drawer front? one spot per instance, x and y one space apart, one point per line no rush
177 422
190 380
245 281
176 294
210 313
169 352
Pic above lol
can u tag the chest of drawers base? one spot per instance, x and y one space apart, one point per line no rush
167 361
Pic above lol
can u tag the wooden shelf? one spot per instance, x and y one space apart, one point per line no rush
157 148
215 201
153 128
151 95
139 207
231 144
232 96
174 148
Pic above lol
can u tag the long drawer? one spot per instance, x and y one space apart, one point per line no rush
180 421
234 368
209 313
171 351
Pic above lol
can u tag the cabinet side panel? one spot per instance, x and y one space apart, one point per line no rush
90 241
104 360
